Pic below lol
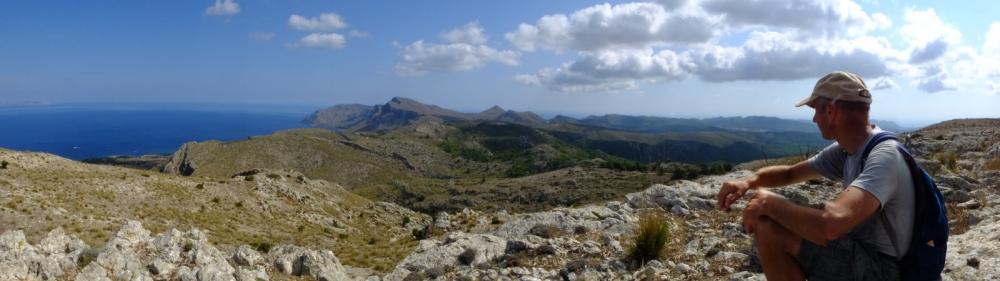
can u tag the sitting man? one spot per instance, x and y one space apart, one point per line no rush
846 240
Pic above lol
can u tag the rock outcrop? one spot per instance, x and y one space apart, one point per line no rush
592 242
134 254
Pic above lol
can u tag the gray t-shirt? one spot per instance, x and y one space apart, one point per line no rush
885 176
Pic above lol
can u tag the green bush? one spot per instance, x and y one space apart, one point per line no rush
86 257
3 164
651 235
262 247
518 169
468 256
457 148
622 165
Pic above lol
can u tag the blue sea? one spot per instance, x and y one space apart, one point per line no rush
90 131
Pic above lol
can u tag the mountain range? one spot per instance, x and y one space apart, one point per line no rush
400 111
643 139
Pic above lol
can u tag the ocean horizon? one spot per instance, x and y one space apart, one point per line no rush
81 132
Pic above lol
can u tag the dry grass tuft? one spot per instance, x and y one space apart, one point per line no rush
651 235
958 219
948 159
993 164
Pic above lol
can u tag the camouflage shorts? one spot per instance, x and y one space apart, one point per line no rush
845 259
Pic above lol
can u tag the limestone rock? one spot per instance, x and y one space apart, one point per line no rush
298 261
432 253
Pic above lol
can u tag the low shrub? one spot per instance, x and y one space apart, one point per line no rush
262 247
545 250
86 257
545 231
651 235
468 256
435 272
948 159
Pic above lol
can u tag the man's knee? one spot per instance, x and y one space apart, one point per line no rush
771 235
765 231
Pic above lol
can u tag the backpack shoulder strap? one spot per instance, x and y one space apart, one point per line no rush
879 138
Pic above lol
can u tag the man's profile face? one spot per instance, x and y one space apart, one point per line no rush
820 118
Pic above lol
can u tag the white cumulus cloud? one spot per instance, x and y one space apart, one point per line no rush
630 25
776 56
357 33
825 18
609 70
321 40
924 26
465 50
262 36
991 46
883 83
621 46
928 52
470 33
420 58
935 79
223 8
991 51
325 21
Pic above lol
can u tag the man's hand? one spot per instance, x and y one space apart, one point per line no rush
730 192
755 208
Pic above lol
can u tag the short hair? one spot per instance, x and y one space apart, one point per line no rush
857 111
846 105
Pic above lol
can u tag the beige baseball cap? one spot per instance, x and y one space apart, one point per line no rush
840 86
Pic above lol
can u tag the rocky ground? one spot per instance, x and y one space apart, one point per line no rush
589 242
40 192
586 243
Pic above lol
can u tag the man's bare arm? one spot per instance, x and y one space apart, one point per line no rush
783 175
772 176
851 207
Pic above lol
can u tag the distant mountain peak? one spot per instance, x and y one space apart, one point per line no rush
398 99
491 113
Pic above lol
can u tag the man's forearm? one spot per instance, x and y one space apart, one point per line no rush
805 222
772 176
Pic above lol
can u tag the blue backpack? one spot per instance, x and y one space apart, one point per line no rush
925 258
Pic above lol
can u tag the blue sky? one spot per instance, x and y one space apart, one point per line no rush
925 60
